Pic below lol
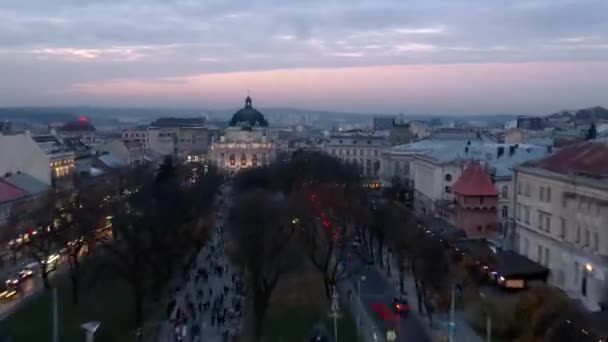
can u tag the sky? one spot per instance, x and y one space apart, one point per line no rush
376 56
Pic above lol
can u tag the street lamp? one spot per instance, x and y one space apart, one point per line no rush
488 318
362 278
335 314
90 328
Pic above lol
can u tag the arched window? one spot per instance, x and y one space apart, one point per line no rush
243 160
232 160
254 160
448 177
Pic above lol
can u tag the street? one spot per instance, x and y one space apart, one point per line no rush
377 295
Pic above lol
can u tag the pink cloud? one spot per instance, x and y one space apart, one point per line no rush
467 88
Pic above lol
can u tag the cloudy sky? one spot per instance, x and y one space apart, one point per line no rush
424 56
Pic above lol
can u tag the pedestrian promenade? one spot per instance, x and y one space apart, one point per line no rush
209 305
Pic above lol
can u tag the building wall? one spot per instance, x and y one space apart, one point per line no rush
395 165
433 181
21 153
477 215
504 209
193 141
87 137
360 150
564 228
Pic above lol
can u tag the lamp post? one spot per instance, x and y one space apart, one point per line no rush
335 312
488 319
452 324
55 316
90 328
362 278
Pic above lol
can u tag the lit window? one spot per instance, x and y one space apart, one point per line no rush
232 160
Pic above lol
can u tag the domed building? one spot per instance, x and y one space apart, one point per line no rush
245 143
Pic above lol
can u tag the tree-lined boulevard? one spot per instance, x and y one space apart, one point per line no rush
180 253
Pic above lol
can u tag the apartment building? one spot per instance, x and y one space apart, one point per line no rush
561 218
359 148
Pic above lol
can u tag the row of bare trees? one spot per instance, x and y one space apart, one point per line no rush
291 215
139 225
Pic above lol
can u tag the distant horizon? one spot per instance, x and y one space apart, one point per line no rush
228 110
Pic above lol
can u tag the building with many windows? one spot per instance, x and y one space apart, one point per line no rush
432 167
62 159
185 138
81 129
245 143
561 206
359 148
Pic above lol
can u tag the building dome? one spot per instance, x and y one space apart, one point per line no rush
81 125
248 117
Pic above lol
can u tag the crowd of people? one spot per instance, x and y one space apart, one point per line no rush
209 305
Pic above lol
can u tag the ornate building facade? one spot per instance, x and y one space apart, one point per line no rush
245 143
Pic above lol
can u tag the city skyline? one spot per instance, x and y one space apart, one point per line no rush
465 57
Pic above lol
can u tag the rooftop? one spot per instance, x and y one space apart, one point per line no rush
506 263
474 181
178 122
502 158
248 116
587 159
81 125
27 183
75 144
9 192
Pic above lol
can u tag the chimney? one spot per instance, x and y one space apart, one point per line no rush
500 152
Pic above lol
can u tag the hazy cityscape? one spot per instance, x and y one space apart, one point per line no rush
353 171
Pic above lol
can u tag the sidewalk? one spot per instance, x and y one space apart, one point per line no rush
462 332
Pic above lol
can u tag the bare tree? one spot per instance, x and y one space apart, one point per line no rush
263 236
43 244
158 225
326 221
79 225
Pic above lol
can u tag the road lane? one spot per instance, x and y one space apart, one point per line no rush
377 296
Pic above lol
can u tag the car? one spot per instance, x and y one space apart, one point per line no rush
25 273
401 305
13 281
7 291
